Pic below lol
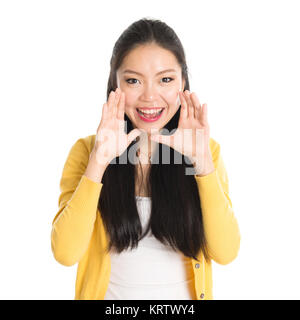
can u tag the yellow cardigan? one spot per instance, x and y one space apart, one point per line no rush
78 233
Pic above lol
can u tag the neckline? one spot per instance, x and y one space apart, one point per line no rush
141 197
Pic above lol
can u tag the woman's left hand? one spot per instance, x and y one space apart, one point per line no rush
192 136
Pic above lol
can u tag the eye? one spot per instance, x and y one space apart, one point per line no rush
130 79
171 79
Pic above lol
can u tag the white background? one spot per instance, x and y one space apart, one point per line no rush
243 58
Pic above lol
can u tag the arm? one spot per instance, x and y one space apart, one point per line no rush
220 225
80 187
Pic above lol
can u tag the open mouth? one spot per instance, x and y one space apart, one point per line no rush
150 115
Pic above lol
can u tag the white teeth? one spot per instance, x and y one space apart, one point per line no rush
153 111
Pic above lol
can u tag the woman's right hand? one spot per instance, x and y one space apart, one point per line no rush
111 140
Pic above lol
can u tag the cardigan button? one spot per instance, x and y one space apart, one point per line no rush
202 295
197 265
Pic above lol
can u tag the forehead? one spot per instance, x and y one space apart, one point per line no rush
149 59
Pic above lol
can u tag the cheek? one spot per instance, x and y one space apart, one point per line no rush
130 99
130 103
172 97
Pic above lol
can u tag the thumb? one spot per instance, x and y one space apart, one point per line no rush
133 134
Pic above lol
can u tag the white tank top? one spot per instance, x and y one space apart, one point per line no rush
152 271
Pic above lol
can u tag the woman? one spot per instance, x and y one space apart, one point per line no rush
139 225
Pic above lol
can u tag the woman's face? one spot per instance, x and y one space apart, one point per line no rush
149 87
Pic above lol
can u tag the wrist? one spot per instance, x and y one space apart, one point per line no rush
203 167
95 171
98 160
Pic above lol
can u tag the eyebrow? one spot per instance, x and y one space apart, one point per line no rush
161 72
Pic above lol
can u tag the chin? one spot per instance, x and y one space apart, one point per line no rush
148 129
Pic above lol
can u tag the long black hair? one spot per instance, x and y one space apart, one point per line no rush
176 216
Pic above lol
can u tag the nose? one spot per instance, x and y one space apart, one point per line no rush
148 93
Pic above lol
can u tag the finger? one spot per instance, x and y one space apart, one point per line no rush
105 112
110 100
197 105
116 102
121 106
204 118
104 115
190 104
184 107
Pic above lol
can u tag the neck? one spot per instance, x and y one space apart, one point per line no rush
145 146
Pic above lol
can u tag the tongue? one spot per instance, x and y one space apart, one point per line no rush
150 116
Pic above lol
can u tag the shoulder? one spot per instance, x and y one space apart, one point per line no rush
213 143
215 151
214 146
86 143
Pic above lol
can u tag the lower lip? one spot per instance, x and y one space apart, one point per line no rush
150 120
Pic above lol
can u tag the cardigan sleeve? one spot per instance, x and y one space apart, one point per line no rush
73 224
220 225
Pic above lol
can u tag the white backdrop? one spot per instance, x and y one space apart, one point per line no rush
243 59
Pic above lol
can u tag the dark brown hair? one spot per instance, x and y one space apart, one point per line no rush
176 216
